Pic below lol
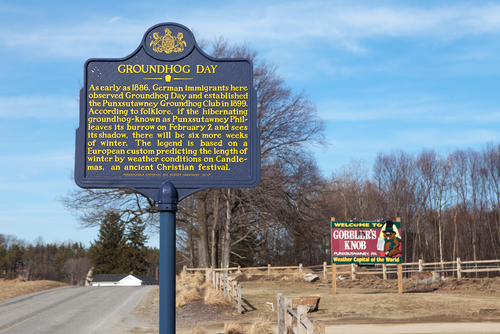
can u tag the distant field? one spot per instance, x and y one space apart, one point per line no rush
18 287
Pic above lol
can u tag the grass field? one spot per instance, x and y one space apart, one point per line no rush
19 287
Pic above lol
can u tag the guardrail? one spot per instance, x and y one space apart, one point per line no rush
287 317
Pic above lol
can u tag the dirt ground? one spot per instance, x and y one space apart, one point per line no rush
367 300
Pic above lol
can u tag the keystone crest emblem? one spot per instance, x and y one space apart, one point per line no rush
168 43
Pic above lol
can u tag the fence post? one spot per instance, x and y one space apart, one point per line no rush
420 266
301 311
319 327
400 277
459 268
300 267
224 282
206 275
384 271
234 292
239 269
334 278
184 269
281 313
268 269
353 271
288 316
231 291
324 271
239 299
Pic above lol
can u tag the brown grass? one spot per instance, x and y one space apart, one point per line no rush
186 295
19 287
191 281
214 297
198 330
233 327
259 326
149 307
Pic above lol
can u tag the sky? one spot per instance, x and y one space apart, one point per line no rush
384 75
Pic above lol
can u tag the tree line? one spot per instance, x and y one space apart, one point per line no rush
116 250
449 204
65 262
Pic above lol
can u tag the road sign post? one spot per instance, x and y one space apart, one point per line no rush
167 205
167 121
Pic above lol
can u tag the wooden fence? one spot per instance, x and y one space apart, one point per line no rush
458 268
287 317
230 288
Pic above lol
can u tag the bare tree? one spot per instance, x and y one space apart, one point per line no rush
288 122
76 269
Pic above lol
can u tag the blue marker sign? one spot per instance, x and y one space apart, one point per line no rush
168 112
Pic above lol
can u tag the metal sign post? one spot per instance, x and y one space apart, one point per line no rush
167 121
167 206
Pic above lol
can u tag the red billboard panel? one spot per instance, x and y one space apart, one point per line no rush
366 242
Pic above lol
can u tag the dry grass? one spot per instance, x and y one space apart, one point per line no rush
149 307
19 287
191 281
183 275
233 327
197 330
199 277
206 285
186 295
214 297
259 326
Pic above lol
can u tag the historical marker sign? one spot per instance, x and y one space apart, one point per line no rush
366 242
168 112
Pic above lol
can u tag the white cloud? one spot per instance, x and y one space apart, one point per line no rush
76 41
417 108
41 159
451 138
297 24
39 107
397 107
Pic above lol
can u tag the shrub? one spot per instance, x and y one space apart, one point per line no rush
11 275
186 295
213 297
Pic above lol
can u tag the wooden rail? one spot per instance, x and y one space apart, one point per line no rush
457 267
287 317
230 288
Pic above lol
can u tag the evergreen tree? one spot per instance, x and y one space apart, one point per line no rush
136 250
107 253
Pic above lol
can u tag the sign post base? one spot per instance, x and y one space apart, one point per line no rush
167 205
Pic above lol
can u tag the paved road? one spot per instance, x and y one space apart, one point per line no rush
75 310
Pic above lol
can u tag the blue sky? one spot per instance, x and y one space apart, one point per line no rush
384 75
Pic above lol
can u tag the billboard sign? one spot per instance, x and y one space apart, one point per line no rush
366 242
